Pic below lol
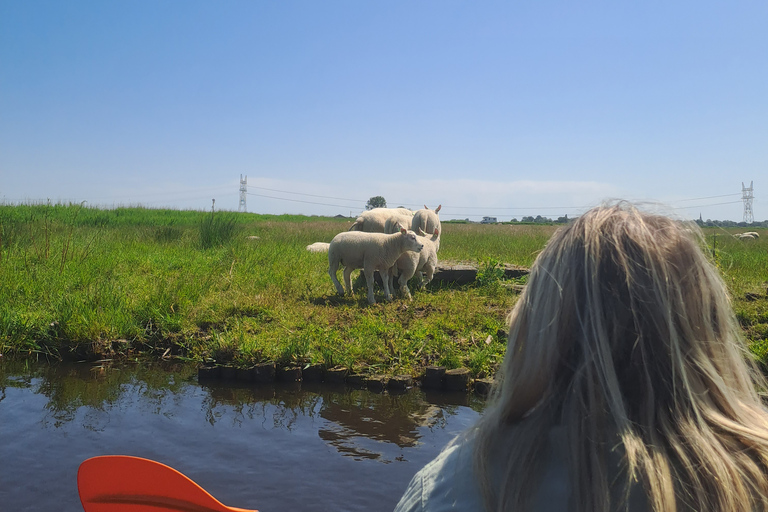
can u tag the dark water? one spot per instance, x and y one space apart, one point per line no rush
274 448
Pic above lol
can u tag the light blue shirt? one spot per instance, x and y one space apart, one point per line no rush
449 483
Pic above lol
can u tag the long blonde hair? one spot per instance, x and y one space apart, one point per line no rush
625 336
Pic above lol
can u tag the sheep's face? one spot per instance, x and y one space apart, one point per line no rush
412 243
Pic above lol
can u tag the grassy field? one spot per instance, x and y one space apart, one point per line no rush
241 289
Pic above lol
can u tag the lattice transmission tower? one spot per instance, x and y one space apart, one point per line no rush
746 196
243 193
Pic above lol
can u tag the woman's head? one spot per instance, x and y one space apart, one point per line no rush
623 309
625 336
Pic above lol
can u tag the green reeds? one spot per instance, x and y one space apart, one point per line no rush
216 229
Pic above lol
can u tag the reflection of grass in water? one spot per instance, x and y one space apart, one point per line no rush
71 388
353 421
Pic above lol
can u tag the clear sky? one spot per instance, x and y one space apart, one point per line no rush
491 108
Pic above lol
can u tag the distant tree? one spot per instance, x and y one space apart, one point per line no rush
376 202
527 219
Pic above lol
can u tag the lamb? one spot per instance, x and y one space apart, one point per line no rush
375 220
369 251
318 247
427 220
410 263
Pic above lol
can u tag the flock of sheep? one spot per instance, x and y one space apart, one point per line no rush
397 242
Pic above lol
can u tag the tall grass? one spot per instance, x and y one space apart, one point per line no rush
80 282
217 229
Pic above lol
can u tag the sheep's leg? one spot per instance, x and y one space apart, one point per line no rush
420 279
404 287
393 272
430 275
347 278
369 281
385 280
332 269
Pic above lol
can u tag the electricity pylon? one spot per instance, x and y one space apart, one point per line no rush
243 193
747 198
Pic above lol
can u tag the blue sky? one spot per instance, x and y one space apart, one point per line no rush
488 108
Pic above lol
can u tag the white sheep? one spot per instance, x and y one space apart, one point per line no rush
746 236
318 247
375 220
371 252
411 263
427 220
395 223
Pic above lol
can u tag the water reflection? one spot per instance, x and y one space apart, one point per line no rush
98 388
353 418
348 418
267 447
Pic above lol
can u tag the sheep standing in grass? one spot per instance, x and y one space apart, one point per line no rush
371 252
411 263
318 247
379 220
427 220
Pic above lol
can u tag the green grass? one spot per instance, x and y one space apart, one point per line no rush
744 266
84 283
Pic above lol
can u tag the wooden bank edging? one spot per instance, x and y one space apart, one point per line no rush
434 378
464 273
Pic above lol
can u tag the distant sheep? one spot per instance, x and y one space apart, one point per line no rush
427 220
750 235
371 252
383 220
411 263
318 247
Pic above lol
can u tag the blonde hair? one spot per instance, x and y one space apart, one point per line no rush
625 336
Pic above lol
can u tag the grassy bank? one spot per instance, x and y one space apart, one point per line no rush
85 283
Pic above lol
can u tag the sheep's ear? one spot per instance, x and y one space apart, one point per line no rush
437 232
426 207
438 208
421 232
403 231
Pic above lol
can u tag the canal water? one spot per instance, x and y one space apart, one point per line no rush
267 447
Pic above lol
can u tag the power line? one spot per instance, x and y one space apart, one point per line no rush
484 208
298 200
397 202
708 197
308 195
704 205
514 208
